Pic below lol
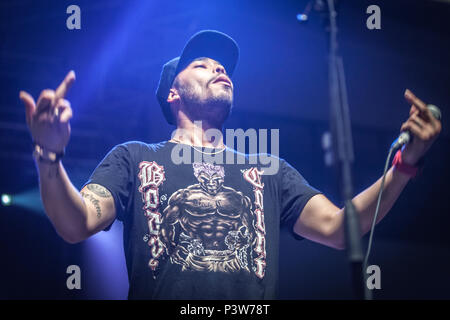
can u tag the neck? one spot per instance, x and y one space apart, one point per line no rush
195 133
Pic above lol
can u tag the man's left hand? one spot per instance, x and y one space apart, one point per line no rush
423 126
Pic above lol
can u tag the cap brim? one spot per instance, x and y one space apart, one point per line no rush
210 44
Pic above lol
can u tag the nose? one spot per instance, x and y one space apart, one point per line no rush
220 69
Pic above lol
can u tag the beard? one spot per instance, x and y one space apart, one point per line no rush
211 104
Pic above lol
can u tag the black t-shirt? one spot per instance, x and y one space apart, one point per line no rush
200 229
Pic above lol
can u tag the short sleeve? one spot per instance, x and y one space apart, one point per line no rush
114 173
295 193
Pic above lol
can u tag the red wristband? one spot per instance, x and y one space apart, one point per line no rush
405 168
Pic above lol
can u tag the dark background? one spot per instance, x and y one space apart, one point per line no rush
280 83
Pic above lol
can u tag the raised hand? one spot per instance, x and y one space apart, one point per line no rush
423 126
48 119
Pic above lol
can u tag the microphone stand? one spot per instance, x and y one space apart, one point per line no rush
343 151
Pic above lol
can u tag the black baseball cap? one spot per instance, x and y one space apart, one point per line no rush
206 43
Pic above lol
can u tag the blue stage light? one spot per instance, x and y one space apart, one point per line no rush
6 199
302 17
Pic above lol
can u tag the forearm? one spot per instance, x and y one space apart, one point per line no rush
366 201
62 202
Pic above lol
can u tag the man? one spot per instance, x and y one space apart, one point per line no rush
199 230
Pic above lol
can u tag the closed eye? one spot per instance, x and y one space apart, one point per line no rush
200 66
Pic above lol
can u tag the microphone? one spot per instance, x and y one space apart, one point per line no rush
405 136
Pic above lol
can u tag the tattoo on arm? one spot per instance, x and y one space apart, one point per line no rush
94 201
99 190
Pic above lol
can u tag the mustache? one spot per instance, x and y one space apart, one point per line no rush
215 78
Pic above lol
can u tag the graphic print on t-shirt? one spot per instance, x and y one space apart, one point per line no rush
253 176
207 226
152 176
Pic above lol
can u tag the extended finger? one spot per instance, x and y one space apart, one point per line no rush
419 104
30 105
65 85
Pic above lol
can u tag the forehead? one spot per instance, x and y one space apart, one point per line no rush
206 60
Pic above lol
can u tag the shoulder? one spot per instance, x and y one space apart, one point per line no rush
134 148
280 170
289 173
272 165
269 164
132 152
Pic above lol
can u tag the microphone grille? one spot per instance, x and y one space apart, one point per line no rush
434 111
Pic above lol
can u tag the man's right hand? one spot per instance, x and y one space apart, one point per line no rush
48 119
75 215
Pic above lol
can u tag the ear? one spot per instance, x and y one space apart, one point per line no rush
173 95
